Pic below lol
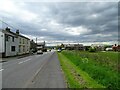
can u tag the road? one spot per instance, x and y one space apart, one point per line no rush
37 71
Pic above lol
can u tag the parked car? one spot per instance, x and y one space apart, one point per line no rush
39 52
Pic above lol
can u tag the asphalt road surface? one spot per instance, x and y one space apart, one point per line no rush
37 71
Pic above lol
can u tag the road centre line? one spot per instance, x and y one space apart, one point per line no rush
24 61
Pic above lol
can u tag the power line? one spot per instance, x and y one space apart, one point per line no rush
8 24
13 27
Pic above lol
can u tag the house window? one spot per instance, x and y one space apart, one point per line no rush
13 39
12 48
23 41
20 40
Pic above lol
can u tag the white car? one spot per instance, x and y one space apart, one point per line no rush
59 50
108 49
39 52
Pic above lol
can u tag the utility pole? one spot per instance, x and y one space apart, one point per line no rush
36 40
36 44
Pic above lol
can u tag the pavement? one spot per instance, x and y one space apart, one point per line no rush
5 59
36 71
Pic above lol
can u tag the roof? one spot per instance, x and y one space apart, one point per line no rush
23 36
12 33
9 33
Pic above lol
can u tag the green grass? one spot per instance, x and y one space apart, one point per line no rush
108 59
100 67
76 77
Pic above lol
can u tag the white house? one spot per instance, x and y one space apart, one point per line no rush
10 43
2 43
23 44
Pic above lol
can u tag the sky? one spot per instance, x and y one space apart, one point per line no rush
59 22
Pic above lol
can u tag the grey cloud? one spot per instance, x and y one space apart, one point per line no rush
70 15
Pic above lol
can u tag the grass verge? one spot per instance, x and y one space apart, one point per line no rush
91 70
76 78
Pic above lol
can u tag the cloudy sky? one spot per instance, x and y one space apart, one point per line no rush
62 22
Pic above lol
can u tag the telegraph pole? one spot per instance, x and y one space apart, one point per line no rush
36 44
36 40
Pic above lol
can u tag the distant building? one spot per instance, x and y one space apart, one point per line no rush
33 46
116 47
98 47
10 43
41 46
74 46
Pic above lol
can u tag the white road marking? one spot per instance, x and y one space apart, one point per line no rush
19 59
1 70
22 58
24 61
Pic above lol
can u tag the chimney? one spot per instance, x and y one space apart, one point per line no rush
17 31
7 29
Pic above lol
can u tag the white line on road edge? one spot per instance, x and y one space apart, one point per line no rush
1 70
24 61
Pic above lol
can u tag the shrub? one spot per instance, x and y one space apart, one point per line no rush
92 49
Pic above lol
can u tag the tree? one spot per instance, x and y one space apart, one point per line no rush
33 46
62 45
58 47
92 49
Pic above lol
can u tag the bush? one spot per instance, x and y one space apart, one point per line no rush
92 49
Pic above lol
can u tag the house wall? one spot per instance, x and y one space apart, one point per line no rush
24 45
12 44
2 43
9 44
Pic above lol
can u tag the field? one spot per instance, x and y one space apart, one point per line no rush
91 70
